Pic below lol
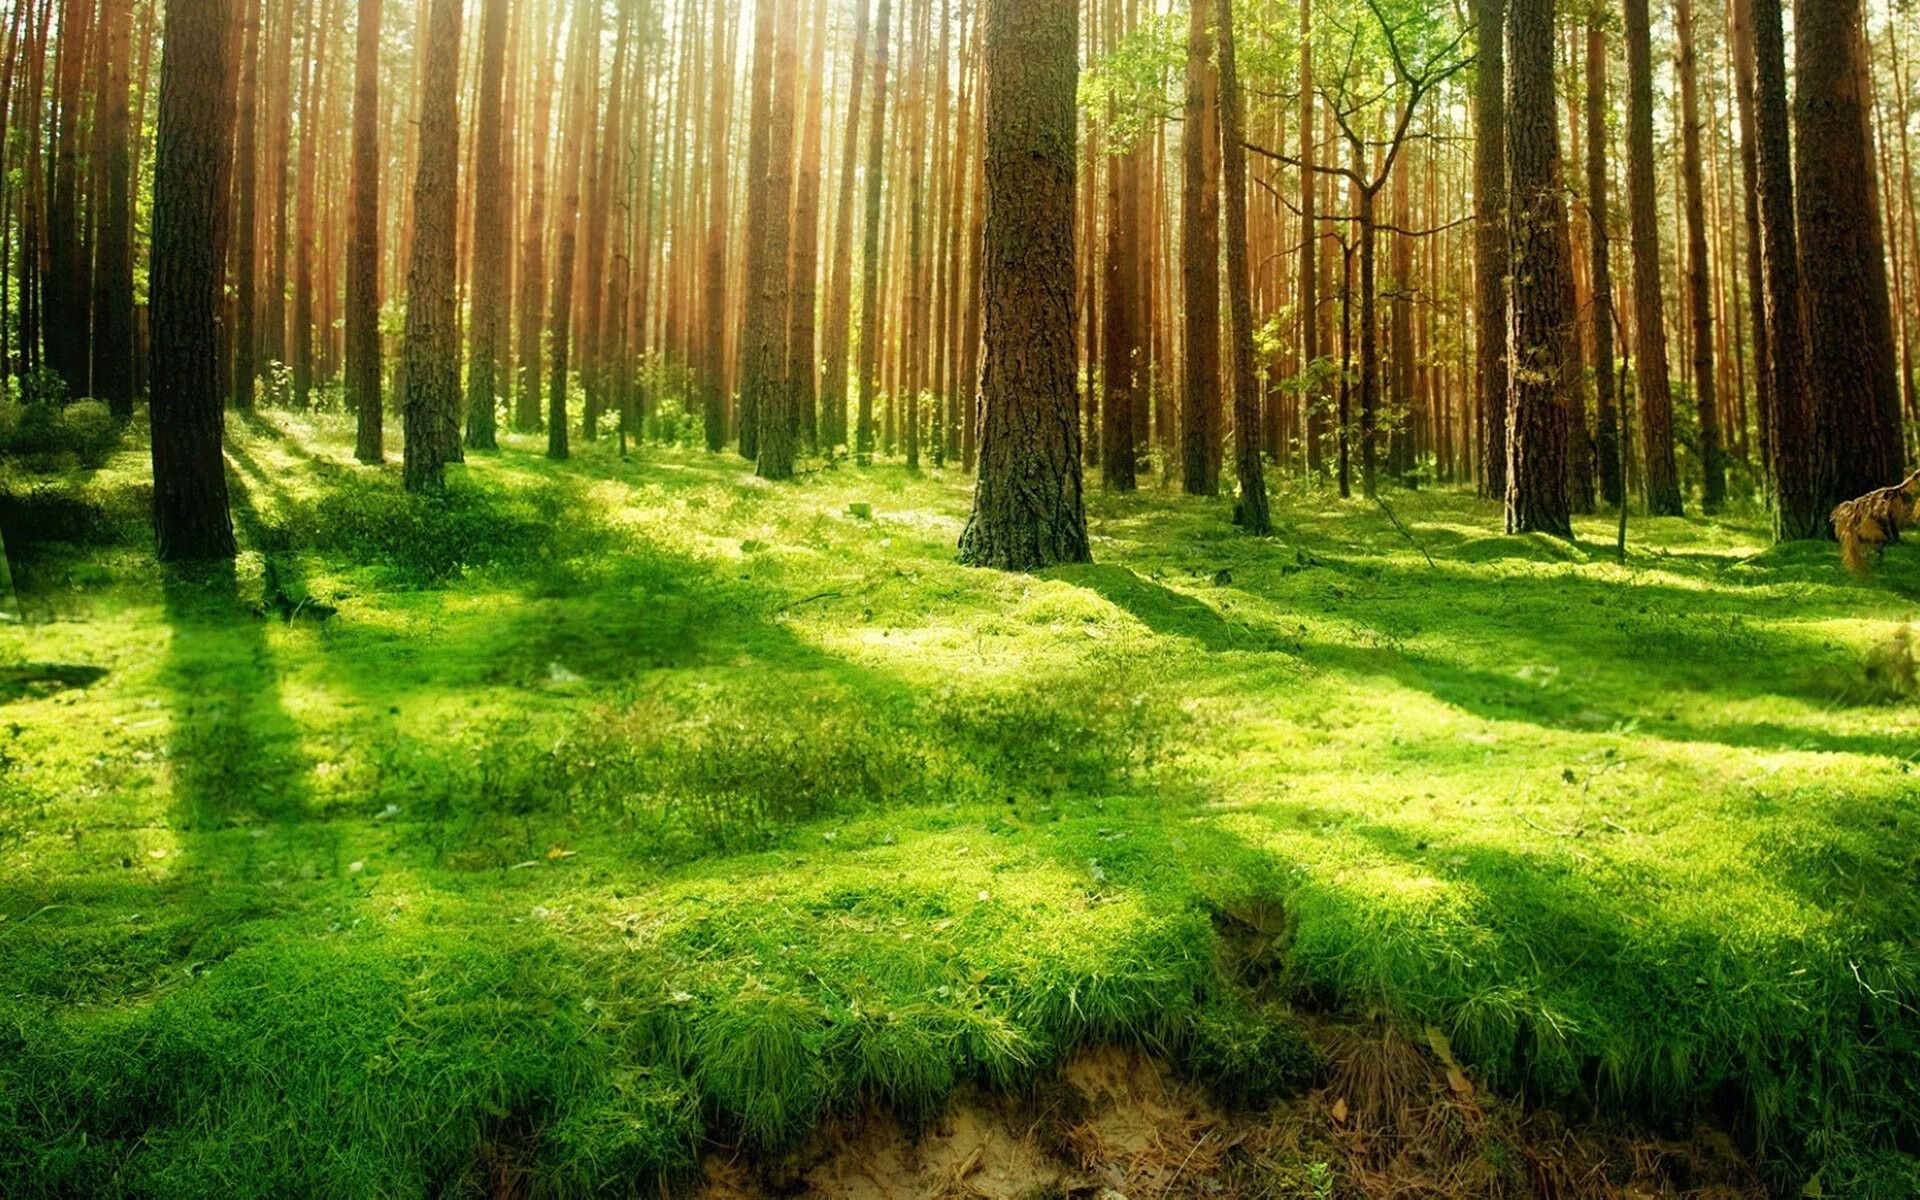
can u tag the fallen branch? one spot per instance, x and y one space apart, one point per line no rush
1406 533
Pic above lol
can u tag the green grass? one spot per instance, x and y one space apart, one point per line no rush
624 805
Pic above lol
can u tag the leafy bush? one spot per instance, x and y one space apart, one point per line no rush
46 434
1248 1056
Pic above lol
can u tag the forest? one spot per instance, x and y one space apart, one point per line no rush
979 599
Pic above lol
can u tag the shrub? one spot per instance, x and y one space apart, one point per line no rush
88 430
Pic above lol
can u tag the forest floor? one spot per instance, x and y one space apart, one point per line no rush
619 820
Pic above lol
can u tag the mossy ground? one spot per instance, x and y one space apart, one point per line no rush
602 808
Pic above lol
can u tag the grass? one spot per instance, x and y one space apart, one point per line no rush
594 811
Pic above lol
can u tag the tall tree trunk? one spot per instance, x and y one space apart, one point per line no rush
432 410
1740 37
1850 351
759 154
833 393
583 73
1200 261
192 159
1119 351
307 205
870 250
1490 245
1600 263
803 364
598 212
533 244
1027 507
714 384
1313 397
764 386
1651 381
1796 511
363 242
486 330
113 247
1251 510
1542 319
1713 489
245 233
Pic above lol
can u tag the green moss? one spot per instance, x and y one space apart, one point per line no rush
596 808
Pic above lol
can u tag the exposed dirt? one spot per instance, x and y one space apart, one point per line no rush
1395 1119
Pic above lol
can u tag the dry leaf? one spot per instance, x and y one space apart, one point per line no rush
1340 1111
1456 1078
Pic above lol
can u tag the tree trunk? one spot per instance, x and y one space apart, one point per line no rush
833 392
191 163
113 248
1796 512
533 263
1027 507
1740 37
1713 488
1312 398
485 329
1251 510
307 208
764 386
870 251
1490 245
1600 264
714 385
803 365
432 410
1649 308
245 233
1850 351
363 242
1541 325
583 78
1200 261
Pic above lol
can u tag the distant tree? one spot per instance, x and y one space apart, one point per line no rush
833 388
583 76
190 177
765 390
246 205
432 412
1541 325
1651 382
1843 262
714 382
870 246
1027 507
363 242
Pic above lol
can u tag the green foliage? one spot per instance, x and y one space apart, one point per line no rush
595 809
46 434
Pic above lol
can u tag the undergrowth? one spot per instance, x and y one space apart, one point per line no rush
554 827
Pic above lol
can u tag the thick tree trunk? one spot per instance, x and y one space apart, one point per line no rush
486 329
1251 511
1027 506
1541 326
1651 382
363 242
432 411
191 164
1490 245
1200 261
1850 350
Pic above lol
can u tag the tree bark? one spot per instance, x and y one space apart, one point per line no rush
191 164
1541 325
432 410
1850 350
1027 505
765 389
870 251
